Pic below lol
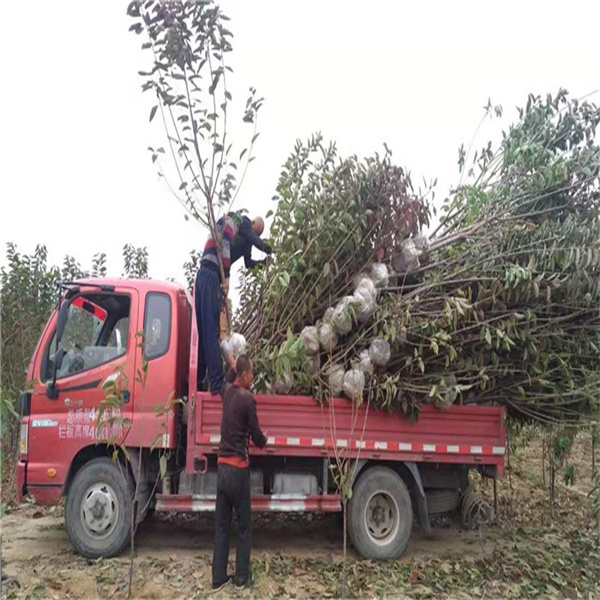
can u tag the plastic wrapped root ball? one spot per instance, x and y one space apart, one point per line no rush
408 259
365 364
421 242
225 349
328 315
238 344
360 278
327 337
364 306
380 275
354 384
283 384
311 365
342 318
336 379
448 393
366 287
310 337
380 352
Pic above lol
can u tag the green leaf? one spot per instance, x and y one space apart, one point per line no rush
488 337
163 466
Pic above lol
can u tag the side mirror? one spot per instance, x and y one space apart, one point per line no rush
59 356
51 391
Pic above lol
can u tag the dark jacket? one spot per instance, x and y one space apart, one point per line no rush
239 423
243 242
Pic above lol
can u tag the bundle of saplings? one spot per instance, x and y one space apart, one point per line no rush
496 305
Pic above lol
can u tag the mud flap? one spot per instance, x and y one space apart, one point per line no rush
419 499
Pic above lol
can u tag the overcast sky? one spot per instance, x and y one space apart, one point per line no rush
74 170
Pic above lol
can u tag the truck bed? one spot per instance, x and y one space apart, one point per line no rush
300 426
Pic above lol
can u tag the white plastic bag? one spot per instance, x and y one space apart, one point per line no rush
310 337
408 259
342 319
421 242
311 365
364 306
234 346
328 316
366 287
365 364
448 394
225 349
336 379
380 352
327 337
237 344
360 278
354 384
380 275
283 384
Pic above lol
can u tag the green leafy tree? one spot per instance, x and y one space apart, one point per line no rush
99 265
135 262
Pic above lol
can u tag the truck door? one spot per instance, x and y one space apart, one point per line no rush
99 338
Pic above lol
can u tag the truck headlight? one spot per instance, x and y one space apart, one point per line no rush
24 441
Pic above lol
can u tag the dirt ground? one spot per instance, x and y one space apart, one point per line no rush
527 553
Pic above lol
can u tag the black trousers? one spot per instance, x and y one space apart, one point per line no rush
209 301
233 493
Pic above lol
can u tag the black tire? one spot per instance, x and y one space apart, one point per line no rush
102 526
375 532
441 501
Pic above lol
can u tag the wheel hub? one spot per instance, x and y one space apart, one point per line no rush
99 510
381 517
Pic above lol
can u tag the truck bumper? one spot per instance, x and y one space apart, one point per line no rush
45 494
21 472
42 494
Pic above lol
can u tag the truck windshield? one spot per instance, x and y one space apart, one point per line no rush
96 332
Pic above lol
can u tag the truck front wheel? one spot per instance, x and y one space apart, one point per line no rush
98 509
380 514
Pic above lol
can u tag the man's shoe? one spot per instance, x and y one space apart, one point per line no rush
244 583
217 587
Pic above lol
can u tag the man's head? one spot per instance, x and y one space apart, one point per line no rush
244 371
258 226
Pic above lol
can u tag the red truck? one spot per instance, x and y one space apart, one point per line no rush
401 468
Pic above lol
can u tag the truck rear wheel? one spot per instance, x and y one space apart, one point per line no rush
98 509
380 514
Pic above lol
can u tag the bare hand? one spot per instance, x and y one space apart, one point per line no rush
225 287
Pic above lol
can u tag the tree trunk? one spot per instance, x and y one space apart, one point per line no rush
593 452
344 551
544 460
508 466
132 543
552 478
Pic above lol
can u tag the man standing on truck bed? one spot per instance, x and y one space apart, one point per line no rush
237 235
239 422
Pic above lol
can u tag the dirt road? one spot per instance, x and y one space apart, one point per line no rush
527 552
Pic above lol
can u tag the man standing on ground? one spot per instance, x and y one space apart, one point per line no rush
239 422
